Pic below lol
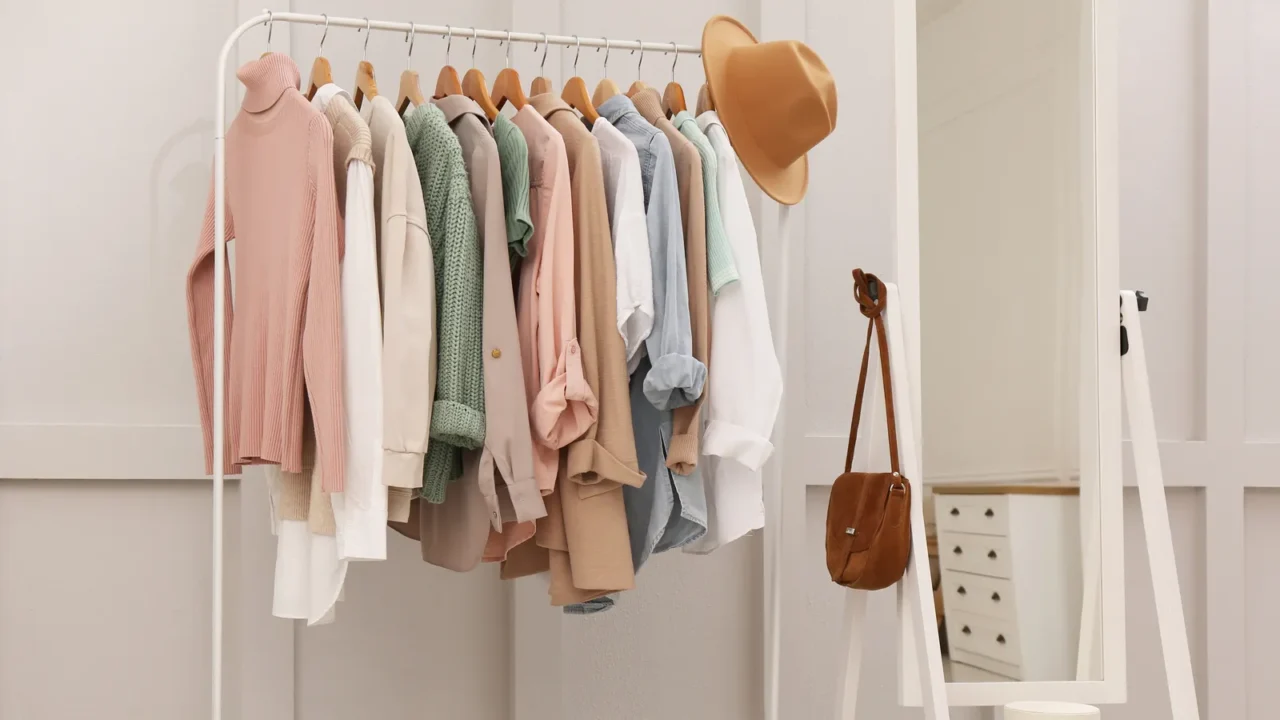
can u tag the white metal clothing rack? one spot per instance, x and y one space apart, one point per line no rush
772 575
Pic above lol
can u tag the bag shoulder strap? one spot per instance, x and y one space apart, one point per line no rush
870 294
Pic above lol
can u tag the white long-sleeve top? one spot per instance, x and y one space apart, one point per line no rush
311 566
624 196
745 378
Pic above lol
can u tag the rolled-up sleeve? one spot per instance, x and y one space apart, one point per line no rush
565 406
677 377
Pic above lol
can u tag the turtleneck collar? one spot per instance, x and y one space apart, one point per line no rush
266 79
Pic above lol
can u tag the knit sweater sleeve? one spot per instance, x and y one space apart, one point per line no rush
322 321
200 322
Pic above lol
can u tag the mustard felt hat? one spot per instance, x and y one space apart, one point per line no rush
776 100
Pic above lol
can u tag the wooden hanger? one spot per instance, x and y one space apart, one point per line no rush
410 86
673 97
705 101
541 84
366 83
639 84
606 88
575 92
507 86
321 70
474 85
447 82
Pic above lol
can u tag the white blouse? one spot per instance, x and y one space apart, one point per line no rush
624 194
745 378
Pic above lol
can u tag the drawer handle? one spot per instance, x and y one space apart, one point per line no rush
966 630
990 513
992 554
955 511
995 597
961 591
958 550
1000 639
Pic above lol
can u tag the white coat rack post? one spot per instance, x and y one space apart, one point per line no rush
773 582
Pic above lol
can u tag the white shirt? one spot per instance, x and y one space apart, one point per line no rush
745 379
624 195
311 568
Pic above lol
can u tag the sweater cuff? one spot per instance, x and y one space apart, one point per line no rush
295 497
675 381
597 471
402 469
457 424
682 453
725 439
399 501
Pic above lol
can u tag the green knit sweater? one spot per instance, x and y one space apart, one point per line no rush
457 416
513 154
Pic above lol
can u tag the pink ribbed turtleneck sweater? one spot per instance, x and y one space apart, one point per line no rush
282 211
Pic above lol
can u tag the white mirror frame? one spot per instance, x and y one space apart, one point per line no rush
1111 689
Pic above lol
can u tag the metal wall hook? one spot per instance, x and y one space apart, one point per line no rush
325 36
368 31
675 48
542 66
474 39
576 54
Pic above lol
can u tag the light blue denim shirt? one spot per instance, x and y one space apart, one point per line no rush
677 376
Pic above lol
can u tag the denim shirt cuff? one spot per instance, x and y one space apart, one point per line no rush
675 381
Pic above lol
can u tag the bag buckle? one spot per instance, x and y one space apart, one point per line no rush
899 487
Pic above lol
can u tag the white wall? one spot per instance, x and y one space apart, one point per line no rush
102 196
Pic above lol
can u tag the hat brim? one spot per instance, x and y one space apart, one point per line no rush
786 184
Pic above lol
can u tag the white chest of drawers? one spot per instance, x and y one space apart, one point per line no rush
1011 579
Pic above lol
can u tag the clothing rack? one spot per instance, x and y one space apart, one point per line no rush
773 537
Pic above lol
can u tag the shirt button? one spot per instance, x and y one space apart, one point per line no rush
573 349
497 353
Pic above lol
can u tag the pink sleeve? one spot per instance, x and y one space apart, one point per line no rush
565 406
322 323
200 322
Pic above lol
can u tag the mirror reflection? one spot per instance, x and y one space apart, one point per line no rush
1008 327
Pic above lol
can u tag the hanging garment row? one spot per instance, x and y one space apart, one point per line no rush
538 340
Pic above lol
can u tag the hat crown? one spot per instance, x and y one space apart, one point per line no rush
791 95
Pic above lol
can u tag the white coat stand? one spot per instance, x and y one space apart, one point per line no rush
915 591
773 535
915 596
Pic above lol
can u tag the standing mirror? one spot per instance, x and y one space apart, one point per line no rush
1019 406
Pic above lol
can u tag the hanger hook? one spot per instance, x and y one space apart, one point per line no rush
676 50
576 53
409 37
640 63
368 30
448 42
606 56
475 37
542 67
271 25
508 44
325 36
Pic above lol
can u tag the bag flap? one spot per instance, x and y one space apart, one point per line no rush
857 509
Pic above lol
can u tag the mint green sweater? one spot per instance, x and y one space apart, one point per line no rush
513 155
457 416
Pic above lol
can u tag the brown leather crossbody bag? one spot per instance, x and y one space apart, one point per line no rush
869 514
